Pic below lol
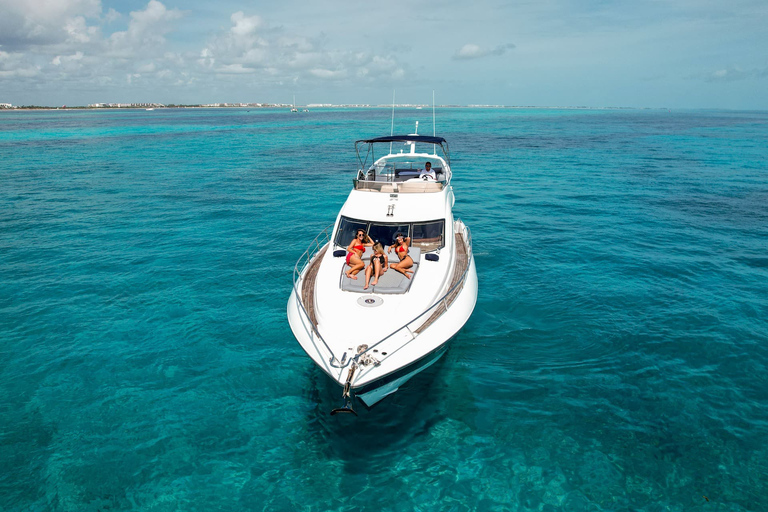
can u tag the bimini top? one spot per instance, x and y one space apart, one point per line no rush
411 140
405 138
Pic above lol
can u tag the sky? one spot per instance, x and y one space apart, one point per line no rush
596 53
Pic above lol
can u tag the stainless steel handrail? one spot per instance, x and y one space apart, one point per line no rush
363 184
317 244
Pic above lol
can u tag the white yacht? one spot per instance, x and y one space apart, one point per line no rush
371 341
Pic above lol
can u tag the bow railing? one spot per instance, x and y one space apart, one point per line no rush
314 248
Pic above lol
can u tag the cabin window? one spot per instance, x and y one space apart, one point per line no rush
429 236
347 230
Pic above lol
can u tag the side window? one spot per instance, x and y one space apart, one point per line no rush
347 230
429 236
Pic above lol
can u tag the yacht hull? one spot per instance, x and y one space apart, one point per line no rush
372 337
438 336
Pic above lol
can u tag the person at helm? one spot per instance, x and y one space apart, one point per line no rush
428 173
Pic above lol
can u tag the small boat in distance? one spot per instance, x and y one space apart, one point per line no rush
294 109
371 339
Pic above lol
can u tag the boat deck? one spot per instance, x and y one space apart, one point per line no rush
308 287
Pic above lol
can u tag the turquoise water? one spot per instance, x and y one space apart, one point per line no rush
617 358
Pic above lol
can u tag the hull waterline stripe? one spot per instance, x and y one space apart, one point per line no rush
396 374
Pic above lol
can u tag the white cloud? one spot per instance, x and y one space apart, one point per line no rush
35 22
78 31
47 11
472 51
250 45
75 51
66 59
70 43
206 58
731 74
327 73
146 31
234 69
244 25
14 66
469 51
146 68
112 15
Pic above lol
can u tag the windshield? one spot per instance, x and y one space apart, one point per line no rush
429 236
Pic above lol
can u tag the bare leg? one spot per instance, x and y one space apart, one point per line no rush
376 271
403 267
356 265
401 270
357 268
368 271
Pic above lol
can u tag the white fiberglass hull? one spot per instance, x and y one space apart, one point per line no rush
372 337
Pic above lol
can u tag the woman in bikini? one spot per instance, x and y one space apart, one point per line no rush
355 252
377 267
401 249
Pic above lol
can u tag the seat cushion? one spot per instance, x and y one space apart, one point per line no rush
390 282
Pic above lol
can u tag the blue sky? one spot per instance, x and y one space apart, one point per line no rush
660 53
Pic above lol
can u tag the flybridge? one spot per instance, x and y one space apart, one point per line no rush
401 171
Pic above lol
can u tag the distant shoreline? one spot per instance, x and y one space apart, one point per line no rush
325 106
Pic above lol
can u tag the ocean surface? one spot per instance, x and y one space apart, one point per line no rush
617 359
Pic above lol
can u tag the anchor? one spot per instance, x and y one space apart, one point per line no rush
346 395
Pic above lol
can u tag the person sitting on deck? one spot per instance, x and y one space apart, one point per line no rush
428 172
401 249
355 252
377 267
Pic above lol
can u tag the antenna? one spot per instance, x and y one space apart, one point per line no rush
434 128
392 128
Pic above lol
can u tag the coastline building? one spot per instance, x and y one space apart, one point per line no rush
125 105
